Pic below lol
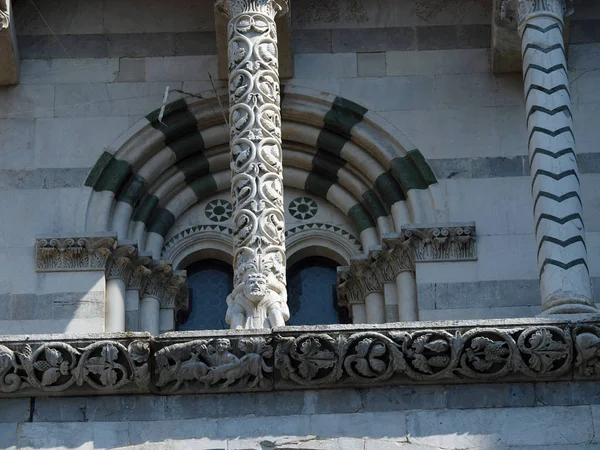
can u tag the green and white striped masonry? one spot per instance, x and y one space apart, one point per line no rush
333 148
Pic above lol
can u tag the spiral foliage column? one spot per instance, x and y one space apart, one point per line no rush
562 254
259 297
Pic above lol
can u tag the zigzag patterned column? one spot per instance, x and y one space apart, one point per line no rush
562 254
259 298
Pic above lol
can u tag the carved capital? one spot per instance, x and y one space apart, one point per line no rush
234 8
120 263
349 289
175 291
156 284
452 242
140 272
73 253
557 9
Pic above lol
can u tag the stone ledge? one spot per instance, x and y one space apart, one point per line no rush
287 358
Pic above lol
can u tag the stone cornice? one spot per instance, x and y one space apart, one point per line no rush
301 357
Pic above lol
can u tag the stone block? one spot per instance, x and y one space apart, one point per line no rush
70 46
82 436
589 196
311 41
509 312
140 45
8 436
384 444
371 64
26 101
142 432
156 16
17 143
280 403
568 393
335 401
58 71
81 140
68 282
64 16
468 90
328 85
585 116
184 68
403 398
195 43
414 92
474 36
31 306
435 62
111 100
14 410
180 407
373 39
125 408
584 31
437 38
490 396
249 427
66 409
584 56
310 65
372 425
446 13
515 426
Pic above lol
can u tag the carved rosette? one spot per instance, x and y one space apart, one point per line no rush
73 254
256 160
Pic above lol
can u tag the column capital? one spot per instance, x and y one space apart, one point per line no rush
120 262
233 8
530 9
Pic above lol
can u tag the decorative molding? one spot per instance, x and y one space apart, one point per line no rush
218 210
197 229
326 227
73 253
233 8
438 243
301 358
529 9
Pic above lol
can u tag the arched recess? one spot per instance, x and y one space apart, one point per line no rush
332 148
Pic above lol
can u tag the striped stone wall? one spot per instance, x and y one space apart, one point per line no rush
424 71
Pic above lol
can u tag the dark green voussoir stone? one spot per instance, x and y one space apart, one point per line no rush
327 164
162 220
144 212
204 186
176 122
113 176
133 190
193 167
343 116
361 217
187 145
98 168
374 205
318 184
331 142
388 189
412 171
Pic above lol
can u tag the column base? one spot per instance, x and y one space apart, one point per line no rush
567 303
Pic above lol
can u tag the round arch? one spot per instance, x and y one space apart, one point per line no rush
332 148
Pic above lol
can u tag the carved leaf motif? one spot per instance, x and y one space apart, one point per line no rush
438 346
438 361
312 359
53 356
42 366
244 26
420 362
109 353
108 377
50 376
544 351
363 367
377 365
419 344
96 365
260 25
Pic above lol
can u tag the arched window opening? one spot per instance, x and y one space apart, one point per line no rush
312 299
210 281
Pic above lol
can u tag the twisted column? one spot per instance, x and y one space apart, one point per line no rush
259 298
562 254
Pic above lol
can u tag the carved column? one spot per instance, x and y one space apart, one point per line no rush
562 254
259 298
154 291
118 270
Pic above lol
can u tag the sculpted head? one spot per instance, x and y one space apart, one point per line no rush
255 286
222 345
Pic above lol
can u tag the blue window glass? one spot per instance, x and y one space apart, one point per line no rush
210 282
312 296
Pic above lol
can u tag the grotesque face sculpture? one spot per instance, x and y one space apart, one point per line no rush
255 287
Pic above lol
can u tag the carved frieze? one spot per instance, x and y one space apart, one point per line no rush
303 358
4 14
73 253
455 242
49 368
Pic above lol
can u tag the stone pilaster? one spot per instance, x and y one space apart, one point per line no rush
561 250
259 298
